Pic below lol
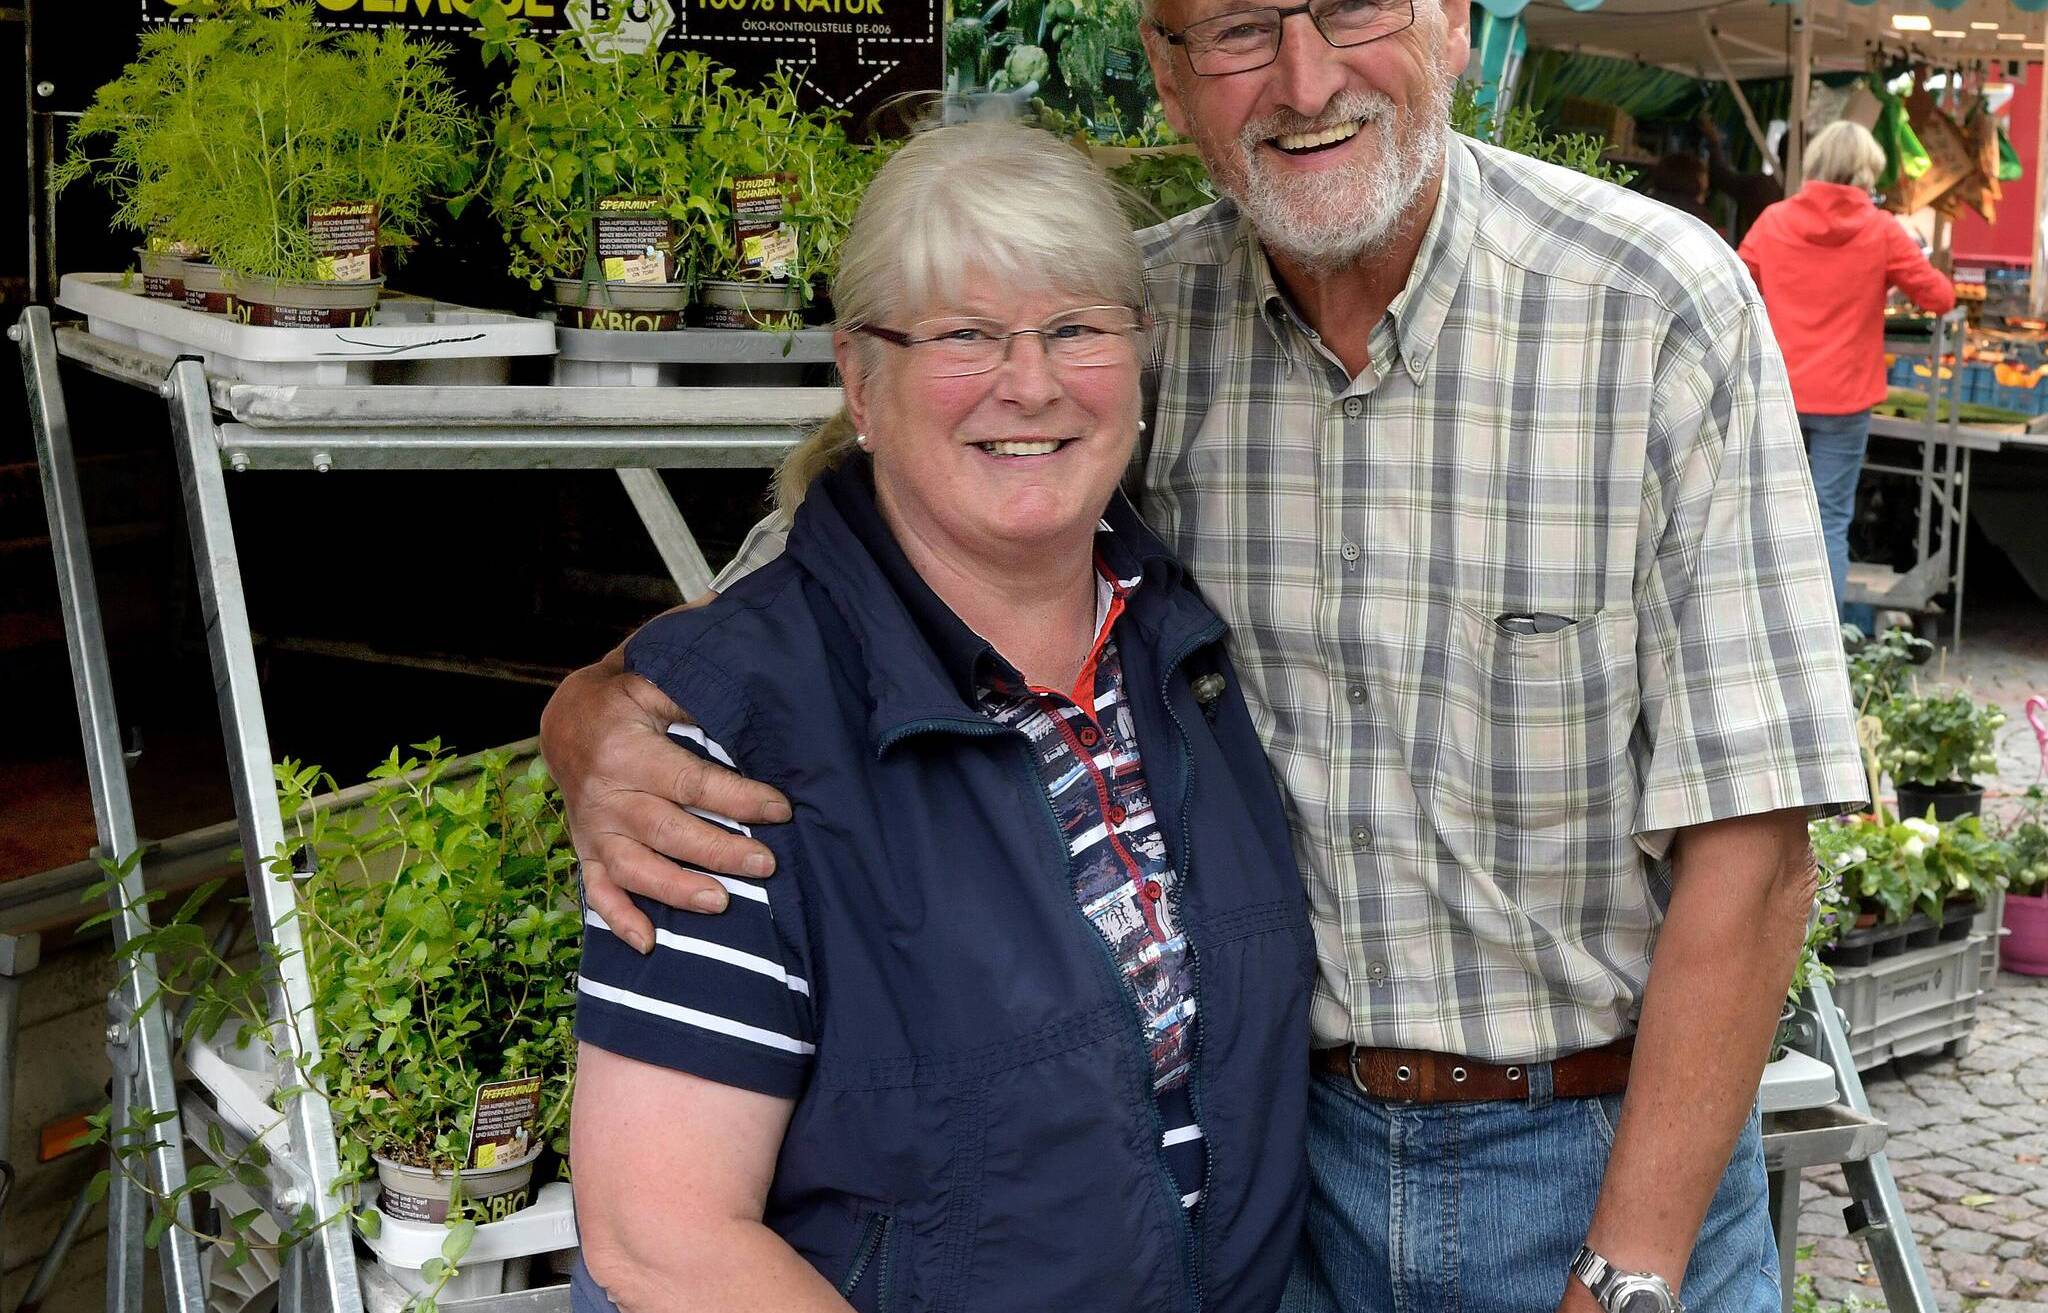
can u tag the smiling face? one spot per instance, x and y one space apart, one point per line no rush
1325 150
999 466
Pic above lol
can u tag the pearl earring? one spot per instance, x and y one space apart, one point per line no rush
1142 426
861 440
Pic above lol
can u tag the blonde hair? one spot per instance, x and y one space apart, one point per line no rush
984 203
1846 153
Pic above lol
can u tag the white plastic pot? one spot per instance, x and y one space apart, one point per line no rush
419 1194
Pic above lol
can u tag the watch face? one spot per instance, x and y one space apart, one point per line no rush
1643 1301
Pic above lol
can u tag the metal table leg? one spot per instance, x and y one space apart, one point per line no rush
671 535
18 956
148 1037
1875 1214
319 1274
1785 1221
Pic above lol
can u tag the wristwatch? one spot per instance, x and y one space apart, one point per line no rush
1623 1292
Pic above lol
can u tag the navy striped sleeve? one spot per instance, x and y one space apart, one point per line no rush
720 996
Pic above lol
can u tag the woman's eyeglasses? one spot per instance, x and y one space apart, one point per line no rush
959 346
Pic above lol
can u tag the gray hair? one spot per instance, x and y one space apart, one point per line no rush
987 203
1844 152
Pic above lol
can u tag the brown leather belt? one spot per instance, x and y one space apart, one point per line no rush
1415 1076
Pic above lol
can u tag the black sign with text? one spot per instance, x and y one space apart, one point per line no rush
853 55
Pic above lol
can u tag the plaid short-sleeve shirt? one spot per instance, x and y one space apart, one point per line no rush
1575 410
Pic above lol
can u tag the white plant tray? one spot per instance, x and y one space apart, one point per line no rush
696 357
242 1083
1798 1081
413 341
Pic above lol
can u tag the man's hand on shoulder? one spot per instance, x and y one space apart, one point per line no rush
628 792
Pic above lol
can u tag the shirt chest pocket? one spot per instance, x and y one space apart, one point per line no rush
1526 732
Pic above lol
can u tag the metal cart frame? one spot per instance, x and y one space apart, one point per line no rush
1941 539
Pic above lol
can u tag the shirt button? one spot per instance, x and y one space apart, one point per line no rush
1350 551
1353 407
1357 695
1360 836
1378 972
1154 891
1088 736
1116 815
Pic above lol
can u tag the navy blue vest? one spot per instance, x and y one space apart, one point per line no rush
978 1132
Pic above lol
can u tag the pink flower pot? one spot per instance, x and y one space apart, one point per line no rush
2025 949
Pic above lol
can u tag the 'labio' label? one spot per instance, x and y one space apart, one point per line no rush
344 241
635 240
622 321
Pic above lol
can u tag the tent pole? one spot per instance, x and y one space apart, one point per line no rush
1756 134
2037 294
1802 79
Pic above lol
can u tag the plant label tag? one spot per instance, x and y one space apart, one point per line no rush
761 230
344 241
772 253
502 1124
635 240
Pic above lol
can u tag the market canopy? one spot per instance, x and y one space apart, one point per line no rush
1754 36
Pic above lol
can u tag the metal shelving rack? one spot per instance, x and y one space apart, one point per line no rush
1941 540
220 425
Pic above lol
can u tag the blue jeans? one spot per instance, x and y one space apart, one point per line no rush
1834 452
1478 1207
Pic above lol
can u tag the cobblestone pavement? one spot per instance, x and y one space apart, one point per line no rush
1969 1142
1969 1149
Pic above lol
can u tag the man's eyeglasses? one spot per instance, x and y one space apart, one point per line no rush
1248 39
959 346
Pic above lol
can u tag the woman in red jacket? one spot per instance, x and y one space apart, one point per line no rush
1824 261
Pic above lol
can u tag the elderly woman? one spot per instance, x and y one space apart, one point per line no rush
1021 1021
1825 261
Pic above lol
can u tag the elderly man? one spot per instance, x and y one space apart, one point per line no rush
1494 471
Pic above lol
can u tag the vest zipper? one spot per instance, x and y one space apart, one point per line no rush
1191 1262
1187 862
1163 1173
874 1241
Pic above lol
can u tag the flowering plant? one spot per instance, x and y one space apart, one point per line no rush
1899 867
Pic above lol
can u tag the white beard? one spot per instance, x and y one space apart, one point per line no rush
1333 219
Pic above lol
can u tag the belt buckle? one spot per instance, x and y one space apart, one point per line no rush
1356 1083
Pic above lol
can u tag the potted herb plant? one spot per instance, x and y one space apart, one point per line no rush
441 929
1934 747
133 134
440 923
782 184
298 159
592 174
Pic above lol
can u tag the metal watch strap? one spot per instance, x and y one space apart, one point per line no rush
1607 1282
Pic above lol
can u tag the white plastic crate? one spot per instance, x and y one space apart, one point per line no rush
413 341
500 1258
1990 923
1918 1002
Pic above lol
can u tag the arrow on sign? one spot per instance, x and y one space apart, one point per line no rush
814 74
